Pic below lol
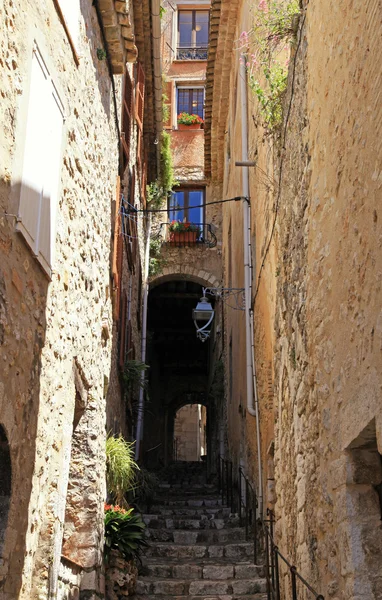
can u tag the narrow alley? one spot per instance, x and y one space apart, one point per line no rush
190 300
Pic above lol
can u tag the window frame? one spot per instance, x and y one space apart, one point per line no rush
40 55
189 87
193 11
186 191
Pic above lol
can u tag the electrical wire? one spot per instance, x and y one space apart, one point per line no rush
166 210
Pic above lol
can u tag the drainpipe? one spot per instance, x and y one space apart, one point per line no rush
158 111
141 402
252 408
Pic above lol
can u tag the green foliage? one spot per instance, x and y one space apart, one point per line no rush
121 468
162 12
167 167
101 54
274 26
156 263
132 374
147 483
158 191
124 532
181 226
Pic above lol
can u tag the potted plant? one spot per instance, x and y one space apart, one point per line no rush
124 542
187 121
183 231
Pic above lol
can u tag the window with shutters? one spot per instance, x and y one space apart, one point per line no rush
41 164
193 28
130 228
123 333
190 100
127 110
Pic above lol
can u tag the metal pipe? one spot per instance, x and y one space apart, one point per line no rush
250 359
141 401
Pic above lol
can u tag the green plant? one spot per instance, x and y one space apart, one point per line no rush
132 373
147 483
181 226
101 54
162 12
156 263
185 118
124 532
274 26
158 190
121 468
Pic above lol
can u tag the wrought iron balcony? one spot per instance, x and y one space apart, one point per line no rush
192 53
180 239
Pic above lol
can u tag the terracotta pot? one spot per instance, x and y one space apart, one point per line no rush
183 237
193 126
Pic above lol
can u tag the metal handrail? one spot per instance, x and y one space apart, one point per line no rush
272 552
204 235
192 52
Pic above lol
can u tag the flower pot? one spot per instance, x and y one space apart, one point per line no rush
183 237
121 577
193 126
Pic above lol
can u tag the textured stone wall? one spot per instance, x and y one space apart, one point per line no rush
316 288
54 352
188 433
328 315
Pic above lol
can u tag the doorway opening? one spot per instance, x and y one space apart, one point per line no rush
190 433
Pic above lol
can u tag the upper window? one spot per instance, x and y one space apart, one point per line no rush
41 164
185 205
192 34
191 101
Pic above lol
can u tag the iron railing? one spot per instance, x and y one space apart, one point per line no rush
203 235
240 496
192 53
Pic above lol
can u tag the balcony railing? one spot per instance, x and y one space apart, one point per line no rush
192 53
204 236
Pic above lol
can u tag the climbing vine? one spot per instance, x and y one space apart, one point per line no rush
264 52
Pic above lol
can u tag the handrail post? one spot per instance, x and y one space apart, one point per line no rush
246 508
267 566
294 583
255 529
277 575
231 485
226 480
239 494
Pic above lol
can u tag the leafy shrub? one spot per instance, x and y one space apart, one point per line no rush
121 468
124 532
147 483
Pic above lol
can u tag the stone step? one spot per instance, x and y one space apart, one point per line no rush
204 522
196 512
241 550
209 570
185 487
204 536
194 502
259 596
203 587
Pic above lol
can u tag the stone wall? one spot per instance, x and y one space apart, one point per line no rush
189 432
316 282
55 354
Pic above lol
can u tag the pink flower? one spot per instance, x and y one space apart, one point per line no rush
263 5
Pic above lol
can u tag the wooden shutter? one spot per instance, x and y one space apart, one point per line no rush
127 108
117 253
140 95
41 164
131 228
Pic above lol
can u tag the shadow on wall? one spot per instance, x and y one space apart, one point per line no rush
23 298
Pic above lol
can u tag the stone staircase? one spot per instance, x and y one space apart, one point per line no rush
197 548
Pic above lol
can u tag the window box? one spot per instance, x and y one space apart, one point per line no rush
192 126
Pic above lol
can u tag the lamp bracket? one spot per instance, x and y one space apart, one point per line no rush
233 297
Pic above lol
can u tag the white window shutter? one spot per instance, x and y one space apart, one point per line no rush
71 11
33 165
42 164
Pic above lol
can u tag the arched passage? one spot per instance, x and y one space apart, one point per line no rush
179 363
5 485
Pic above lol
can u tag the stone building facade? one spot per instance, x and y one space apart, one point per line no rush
314 190
68 154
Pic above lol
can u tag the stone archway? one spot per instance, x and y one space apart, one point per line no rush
185 272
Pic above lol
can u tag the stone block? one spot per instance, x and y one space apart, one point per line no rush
218 572
187 572
202 588
249 586
169 587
